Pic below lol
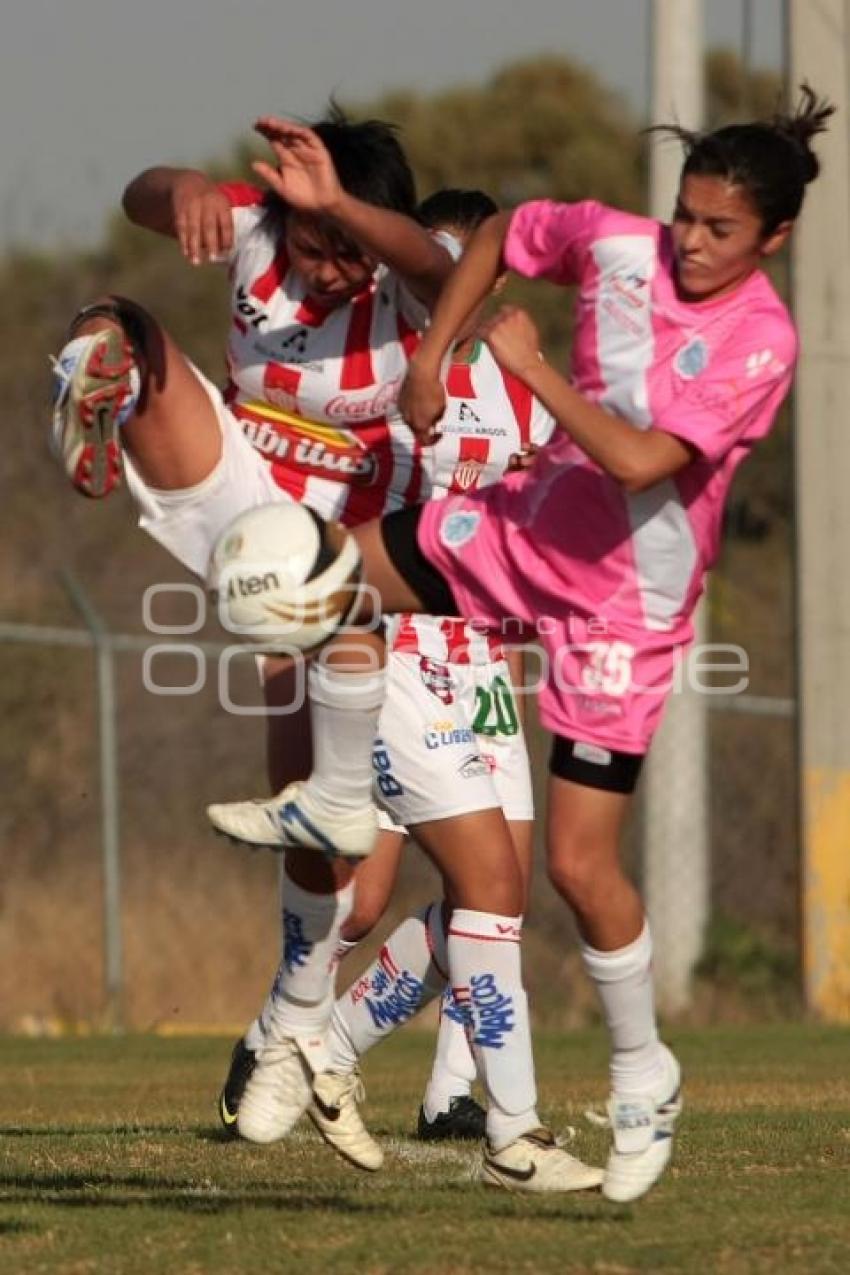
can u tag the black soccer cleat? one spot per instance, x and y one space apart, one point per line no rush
464 1121
242 1063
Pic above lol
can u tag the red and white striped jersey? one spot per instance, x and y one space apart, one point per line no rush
490 416
315 389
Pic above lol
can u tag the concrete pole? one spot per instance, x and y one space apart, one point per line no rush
675 784
818 38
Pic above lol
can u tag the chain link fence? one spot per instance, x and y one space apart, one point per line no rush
120 908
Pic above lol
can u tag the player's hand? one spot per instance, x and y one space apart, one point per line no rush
203 219
513 340
422 402
523 459
305 177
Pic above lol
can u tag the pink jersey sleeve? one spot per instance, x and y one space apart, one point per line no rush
550 241
738 395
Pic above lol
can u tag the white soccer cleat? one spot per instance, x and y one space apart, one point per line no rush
95 389
643 1141
295 818
277 1092
334 1113
535 1163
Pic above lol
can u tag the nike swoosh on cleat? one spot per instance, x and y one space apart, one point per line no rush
330 1113
226 1116
519 1175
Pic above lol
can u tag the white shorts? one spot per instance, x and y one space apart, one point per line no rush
449 742
188 522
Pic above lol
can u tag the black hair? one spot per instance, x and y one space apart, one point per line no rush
451 208
369 161
771 160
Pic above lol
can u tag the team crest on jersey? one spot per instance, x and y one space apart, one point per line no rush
467 474
692 359
459 528
437 678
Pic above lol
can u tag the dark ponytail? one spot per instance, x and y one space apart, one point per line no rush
772 160
798 129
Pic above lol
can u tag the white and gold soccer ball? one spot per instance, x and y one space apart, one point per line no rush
283 577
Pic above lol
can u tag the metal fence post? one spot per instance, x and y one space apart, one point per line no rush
109 801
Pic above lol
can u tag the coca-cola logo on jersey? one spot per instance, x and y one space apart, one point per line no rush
344 407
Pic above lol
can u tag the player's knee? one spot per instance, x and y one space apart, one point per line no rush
577 872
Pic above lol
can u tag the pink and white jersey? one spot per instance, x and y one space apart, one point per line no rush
606 581
490 416
713 373
315 389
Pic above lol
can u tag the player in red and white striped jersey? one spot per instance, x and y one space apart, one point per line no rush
450 742
313 382
450 745
332 274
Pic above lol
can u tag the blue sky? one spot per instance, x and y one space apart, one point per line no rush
92 91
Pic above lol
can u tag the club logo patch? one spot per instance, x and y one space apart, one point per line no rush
474 766
438 679
459 528
692 359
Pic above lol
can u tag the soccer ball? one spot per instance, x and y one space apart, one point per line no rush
283 577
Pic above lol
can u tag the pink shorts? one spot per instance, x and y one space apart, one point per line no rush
603 677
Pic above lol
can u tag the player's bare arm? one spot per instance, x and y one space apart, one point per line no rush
186 205
422 400
636 458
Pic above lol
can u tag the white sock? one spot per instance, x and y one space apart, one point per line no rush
255 1036
623 981
343 947
453 1072
486 978
406 976
301 1000
344 711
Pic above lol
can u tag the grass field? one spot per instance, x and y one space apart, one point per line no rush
112 1162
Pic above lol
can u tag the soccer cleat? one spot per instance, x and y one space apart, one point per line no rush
534 1162
643 1144
95 389
465 1120
334 1112
295 818
278 1091
242 1063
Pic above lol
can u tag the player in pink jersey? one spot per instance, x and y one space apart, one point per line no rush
682 355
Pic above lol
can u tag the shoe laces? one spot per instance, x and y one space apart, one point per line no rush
61 379
348 1084
562 1139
